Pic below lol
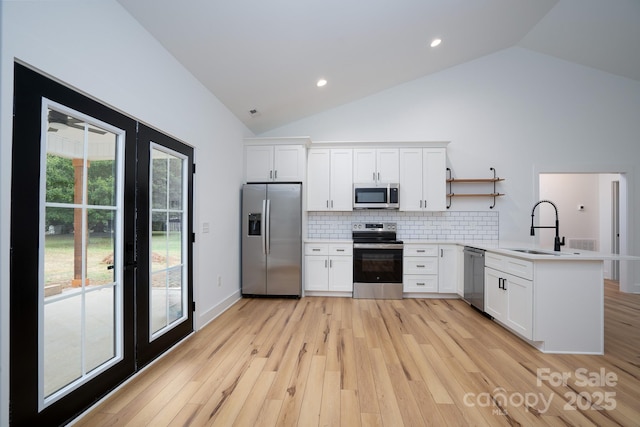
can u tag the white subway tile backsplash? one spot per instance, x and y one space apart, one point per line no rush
456 225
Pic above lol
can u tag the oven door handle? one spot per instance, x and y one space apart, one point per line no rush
378 246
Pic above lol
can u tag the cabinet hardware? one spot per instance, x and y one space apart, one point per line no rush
325 263
339 250
420 266
316 249
420 203
378 176
441 253
420 250
327 203
374 176
332 204
271 174
330 263
420 284
275 175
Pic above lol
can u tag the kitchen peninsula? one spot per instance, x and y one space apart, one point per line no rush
553 300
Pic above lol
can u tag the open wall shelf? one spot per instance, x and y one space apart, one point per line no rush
451 181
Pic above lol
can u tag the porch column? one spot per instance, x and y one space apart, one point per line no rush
78 231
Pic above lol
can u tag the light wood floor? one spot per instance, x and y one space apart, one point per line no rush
338 361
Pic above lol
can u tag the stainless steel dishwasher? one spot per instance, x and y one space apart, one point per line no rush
474 277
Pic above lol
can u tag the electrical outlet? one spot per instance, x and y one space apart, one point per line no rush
219 281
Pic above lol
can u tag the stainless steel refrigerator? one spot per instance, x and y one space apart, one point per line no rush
272 239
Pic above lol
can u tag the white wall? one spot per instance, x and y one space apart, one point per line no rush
97 47
516 110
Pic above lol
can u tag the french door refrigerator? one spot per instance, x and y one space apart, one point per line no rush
272 239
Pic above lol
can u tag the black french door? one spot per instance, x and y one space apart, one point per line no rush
100 260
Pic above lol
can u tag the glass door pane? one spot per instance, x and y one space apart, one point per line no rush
168 233
81 265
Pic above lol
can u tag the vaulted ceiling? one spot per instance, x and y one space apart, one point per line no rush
267 55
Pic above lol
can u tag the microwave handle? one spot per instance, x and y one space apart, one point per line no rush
388 193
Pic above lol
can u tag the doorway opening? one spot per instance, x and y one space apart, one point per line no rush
592 212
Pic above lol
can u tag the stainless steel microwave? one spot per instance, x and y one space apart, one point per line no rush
381 196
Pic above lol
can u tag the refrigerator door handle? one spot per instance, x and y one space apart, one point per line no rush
268 228
263 227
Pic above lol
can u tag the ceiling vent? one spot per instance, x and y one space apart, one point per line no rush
254 112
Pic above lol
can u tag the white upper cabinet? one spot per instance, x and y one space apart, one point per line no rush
288 163
423 179
329 179
376 166
258 163
274 163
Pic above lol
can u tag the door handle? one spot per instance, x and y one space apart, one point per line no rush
268 227
263 227
275 174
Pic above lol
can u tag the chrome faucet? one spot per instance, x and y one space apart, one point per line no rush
556 242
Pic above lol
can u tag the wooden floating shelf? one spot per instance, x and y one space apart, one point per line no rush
472 180
451 180
475 194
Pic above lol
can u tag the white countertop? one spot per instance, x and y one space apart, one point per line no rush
507 248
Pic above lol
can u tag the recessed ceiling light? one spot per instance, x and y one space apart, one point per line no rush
321 83
435 42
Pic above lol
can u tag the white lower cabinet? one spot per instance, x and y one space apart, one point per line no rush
509 298
429 268
449 266
328 267
420 268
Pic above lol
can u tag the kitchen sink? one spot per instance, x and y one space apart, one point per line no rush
537 252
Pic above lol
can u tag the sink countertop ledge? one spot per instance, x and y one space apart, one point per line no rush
509 248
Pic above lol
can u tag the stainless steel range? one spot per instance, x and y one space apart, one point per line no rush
377 261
